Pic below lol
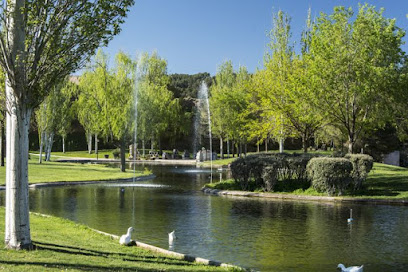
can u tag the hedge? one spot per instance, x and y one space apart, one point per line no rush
330 175
362 165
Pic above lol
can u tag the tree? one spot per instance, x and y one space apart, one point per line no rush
156 104
354 68
272 84
42 42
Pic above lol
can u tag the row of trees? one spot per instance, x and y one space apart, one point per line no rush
111 103
349 78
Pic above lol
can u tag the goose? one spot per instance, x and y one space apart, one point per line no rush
172 237
126 239
351 268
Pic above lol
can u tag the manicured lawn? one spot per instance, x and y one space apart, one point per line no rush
81 154
63 245
383 182
57 172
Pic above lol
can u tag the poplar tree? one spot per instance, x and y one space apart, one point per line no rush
42 42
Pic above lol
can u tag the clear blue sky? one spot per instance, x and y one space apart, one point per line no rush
198 35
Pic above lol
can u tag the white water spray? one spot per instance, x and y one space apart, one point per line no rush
203 96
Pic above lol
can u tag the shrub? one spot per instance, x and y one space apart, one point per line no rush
362 165
330 175
264 171
116 153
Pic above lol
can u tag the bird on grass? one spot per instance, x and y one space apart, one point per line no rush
126 239
172 237
351 268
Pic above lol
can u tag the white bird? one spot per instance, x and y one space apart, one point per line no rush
351 268
126 239
172 237
350 220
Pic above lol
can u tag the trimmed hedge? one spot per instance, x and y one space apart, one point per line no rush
265 171
330 175
362 165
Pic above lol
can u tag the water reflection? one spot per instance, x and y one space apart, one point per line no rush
262 234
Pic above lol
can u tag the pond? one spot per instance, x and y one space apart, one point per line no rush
266 235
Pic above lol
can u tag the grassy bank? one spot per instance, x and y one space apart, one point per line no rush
58 172
64 245
383 182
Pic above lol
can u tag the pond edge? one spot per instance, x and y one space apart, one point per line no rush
305 198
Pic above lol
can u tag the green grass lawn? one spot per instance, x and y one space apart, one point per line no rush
58 172
63 245
383 182
81 154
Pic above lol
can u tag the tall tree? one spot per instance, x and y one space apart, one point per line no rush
42 42
354 68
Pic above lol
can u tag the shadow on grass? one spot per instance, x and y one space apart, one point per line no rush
95 253
85 267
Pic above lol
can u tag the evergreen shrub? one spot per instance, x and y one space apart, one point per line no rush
362 165
265 171
330 175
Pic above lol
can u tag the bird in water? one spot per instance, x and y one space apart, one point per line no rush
351 268
350 220
126 239
172 237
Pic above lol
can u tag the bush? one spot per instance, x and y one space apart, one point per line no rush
116 153
362 165
264 171
330 175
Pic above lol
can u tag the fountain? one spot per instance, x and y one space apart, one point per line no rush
203 106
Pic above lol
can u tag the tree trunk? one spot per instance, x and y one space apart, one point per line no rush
221 148
50 142
304 142
281 142
96 143
266 144
89 136
351 144
233 149
63 144
228 148
3 140
41 146
17 228
143 148
122 155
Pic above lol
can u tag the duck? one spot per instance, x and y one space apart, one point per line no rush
172 237
126 239
351 268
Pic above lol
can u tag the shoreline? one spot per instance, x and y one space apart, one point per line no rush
185 257
70 183
361 200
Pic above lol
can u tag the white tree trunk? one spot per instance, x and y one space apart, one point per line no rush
17 227
144 148
41 146
281 141
63 144
96 143
17 208
50 141
89 135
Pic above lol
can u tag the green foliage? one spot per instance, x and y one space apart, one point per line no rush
362 165
265 171
330 175
354 67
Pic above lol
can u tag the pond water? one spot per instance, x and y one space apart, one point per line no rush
266 235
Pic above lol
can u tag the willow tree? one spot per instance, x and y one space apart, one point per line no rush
353 64
42 42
